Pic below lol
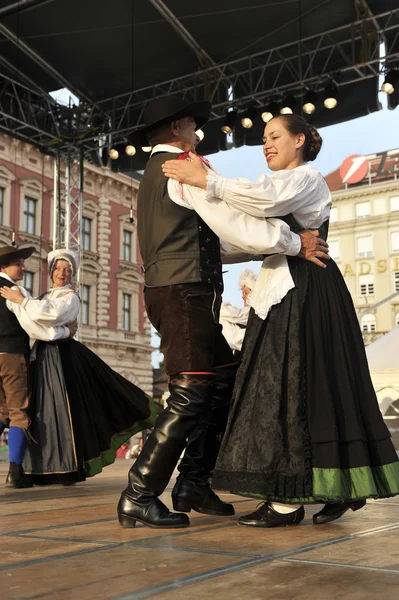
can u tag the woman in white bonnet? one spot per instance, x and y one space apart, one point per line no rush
82 410
234 320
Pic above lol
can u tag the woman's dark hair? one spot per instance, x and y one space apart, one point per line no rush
313 141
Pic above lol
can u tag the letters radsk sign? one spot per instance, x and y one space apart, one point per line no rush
353 169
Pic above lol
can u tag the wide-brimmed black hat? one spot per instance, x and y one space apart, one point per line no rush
10 253
167 109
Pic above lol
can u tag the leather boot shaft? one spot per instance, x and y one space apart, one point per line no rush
189 399
203 445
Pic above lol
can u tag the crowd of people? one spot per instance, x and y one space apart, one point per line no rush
280 408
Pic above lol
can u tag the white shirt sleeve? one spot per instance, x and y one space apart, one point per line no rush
252 235
279 194
53 311
36 331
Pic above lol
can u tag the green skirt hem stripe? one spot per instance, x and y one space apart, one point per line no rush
95 466
343 485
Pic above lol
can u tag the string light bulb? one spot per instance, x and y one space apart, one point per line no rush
248 118
287 105
390 81
146 148
331 96
229 122
269 112
113 154
130 150
309 102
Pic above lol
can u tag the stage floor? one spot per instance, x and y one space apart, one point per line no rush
66 543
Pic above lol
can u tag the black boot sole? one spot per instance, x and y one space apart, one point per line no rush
18 486
130 522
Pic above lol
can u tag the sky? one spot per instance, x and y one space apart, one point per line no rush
373 133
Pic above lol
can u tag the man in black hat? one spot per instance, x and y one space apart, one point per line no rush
183 288
14 369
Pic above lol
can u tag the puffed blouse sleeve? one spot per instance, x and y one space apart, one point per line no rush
53 311
279 194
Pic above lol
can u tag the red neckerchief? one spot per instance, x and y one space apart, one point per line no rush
186 156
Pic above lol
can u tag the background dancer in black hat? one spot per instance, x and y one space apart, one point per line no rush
82 410
15 389
183 279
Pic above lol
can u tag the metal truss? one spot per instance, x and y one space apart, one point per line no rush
68 199
347 54
68 207
288 68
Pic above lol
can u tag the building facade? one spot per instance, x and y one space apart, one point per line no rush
114 322
364 241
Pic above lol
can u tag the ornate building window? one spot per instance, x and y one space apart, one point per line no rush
85 304
86 233
396 281
394 203
31 208
365 246
366 285
2 190
28 281
127 245
369 324
29 225
334 249
334 215
363 209
126 312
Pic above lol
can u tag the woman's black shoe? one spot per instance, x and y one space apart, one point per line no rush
332 512
151 512
266 516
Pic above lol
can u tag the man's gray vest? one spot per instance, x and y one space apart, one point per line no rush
176 245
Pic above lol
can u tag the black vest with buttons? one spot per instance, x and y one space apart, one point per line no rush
13 339
176 245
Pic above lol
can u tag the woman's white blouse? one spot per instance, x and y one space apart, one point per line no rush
233 321
301 192
47 319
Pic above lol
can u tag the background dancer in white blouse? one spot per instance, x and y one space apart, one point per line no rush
234 320
305 426
82 410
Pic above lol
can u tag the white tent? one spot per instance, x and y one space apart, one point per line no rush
383 358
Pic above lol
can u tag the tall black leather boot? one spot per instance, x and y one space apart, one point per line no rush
150 474
192 489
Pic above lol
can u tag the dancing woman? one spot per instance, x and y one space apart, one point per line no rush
305 425
82 410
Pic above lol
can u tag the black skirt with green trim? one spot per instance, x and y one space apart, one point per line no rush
82 411
305 425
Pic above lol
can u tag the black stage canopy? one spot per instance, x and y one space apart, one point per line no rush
115 55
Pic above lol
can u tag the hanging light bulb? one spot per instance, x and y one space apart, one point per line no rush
269 112
113 154
200 134
309 102
146 148
248 118
390 81
331 95
130 150
229 122
287 105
